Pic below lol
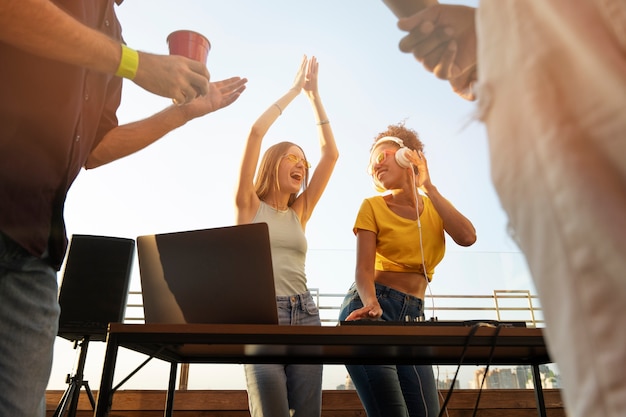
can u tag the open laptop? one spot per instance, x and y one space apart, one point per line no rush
220 276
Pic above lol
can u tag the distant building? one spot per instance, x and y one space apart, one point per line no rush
498 378
517 378
444 384
348 385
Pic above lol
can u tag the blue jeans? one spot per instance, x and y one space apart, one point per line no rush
390 390
287 390
29 317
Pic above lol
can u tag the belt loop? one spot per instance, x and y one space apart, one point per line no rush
385 290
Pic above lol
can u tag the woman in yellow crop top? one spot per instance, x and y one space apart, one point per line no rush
397 252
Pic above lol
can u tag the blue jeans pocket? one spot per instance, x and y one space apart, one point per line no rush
351 302
311 307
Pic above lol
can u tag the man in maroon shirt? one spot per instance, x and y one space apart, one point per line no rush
61 69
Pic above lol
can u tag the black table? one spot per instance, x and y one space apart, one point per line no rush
398 344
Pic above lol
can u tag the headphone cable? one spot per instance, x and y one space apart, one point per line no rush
419 228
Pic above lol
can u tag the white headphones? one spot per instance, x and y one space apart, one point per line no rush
401 157
401 154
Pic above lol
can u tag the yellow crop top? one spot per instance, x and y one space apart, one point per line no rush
397 238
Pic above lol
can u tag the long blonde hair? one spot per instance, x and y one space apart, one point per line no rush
267 175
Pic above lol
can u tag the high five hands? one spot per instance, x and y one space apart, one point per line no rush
310 84
306 78
300 80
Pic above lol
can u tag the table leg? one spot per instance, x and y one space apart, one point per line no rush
171 388
541 404
105 394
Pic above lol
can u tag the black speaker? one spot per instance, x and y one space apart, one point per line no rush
94 289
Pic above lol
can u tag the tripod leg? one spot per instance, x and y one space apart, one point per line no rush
74 398
90 395
69 393
72 394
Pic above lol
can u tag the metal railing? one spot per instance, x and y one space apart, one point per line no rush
502 305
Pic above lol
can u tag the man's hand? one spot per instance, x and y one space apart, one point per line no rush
176 77
443 39
220 94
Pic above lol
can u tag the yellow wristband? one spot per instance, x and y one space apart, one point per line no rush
128 63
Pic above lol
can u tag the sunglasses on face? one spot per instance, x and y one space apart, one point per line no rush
295 159
379 158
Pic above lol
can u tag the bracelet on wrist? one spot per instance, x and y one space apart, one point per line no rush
279 109
128 63
323 122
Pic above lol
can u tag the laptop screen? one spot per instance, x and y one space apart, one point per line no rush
220 275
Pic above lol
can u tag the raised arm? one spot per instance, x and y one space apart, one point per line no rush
42 28
459 227
246 200
306 202
130 138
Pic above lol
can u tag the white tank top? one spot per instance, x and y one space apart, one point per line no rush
288 246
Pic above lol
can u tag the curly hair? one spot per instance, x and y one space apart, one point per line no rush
409 136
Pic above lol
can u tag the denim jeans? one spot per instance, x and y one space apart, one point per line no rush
29 316
287 390
390 390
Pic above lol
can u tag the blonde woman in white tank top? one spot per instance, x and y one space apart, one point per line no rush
282 196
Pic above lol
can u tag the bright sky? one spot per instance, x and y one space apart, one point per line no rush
186 181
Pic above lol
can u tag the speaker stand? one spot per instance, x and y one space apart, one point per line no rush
76 382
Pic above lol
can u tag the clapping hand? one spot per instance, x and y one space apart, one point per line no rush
219 95
310 84
300 80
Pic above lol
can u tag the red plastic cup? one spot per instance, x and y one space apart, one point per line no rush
189 44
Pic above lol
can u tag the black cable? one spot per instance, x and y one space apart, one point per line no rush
493 348
461 359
